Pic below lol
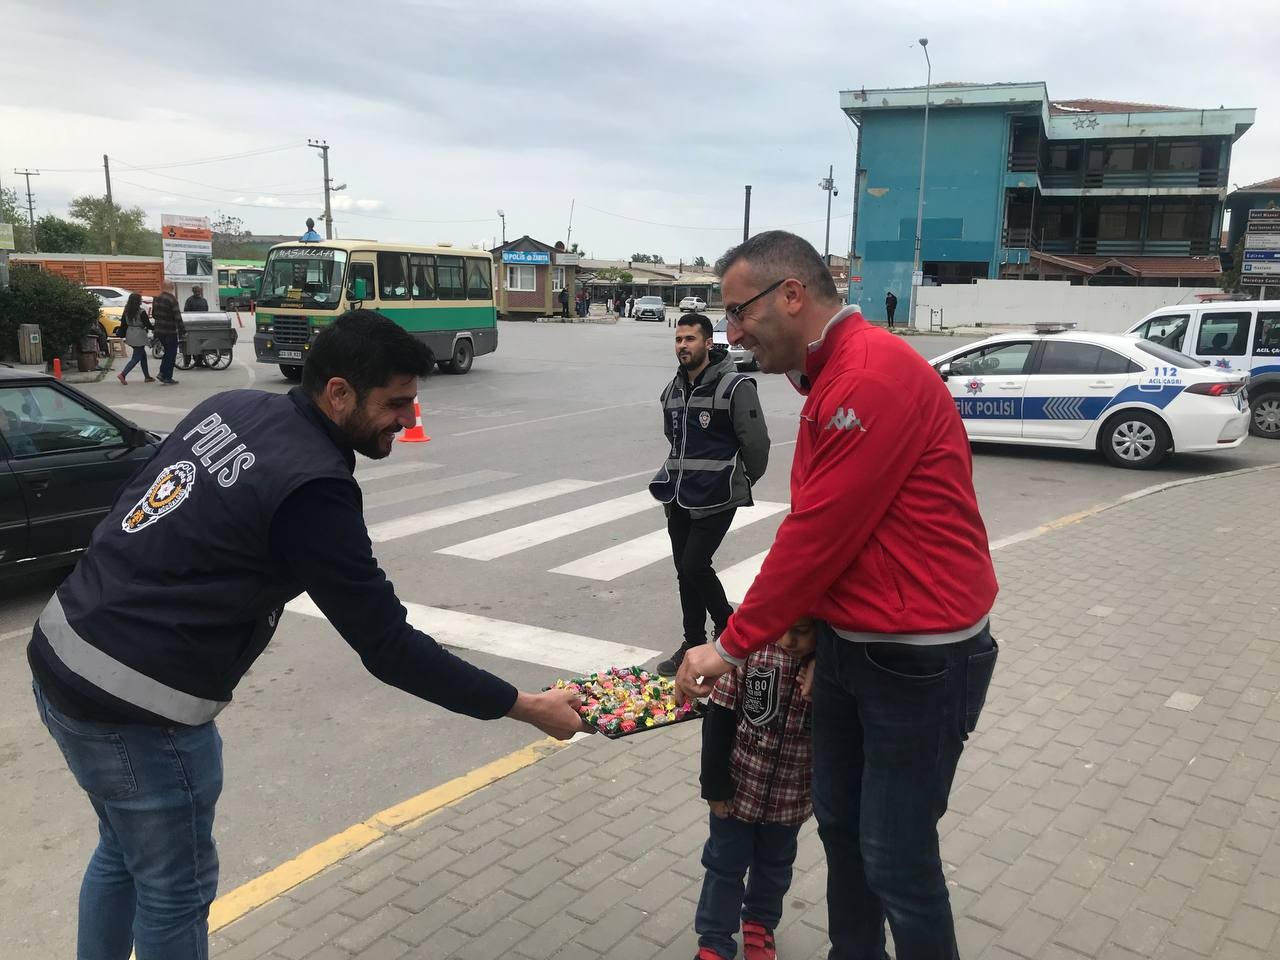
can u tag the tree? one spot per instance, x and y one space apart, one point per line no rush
11 212
700 262
641 258
56 235
1230 279
132 236
65 311
655 258
615 274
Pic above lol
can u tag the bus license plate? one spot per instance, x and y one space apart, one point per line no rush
290 354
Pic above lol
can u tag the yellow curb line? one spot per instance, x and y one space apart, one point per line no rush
250 896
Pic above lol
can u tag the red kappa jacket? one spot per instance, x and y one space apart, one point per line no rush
884 535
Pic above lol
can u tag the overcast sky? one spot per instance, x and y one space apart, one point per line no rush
651 116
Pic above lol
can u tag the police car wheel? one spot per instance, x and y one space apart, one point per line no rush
1135 439
1264 419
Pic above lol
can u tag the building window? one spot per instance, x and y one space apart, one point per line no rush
558 279
1120 221
1064 158
1180 155
520 278
1058 221
450 282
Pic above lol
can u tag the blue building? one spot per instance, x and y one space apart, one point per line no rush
1021 186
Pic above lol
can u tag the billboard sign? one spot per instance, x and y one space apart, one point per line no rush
186 244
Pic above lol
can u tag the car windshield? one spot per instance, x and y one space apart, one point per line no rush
650 301
721 326
1169 355
303 277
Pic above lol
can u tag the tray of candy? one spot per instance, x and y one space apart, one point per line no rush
625 701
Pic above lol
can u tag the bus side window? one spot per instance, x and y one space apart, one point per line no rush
478 283
422 273
361 271
223 276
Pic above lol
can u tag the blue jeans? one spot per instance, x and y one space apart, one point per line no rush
768 850
170 344
889 722
151 880
139 357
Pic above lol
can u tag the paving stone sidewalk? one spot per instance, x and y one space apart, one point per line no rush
1120 799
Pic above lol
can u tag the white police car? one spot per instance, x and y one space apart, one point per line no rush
1133 400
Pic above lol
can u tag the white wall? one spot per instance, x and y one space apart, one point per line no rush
1023 302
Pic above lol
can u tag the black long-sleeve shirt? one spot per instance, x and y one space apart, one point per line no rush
318 537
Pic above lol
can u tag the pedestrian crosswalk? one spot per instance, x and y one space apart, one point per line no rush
506 522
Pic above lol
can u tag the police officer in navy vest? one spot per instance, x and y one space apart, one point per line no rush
719 450
181 588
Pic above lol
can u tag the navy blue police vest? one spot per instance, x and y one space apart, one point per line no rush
178 592
698 472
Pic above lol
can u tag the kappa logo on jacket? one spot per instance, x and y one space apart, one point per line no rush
845 420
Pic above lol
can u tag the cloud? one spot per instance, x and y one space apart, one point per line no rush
340 201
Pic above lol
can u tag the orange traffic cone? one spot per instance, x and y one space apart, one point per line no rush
415 434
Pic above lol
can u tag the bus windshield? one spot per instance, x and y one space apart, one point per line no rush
303 277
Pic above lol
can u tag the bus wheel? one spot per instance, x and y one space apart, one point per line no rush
291 373
463 354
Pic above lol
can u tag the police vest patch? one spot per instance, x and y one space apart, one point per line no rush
760 695
704 419
164 496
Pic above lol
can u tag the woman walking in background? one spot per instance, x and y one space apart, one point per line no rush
136 327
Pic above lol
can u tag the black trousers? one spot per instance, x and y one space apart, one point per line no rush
890 311
693 544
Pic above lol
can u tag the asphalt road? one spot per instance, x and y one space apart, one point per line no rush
313 744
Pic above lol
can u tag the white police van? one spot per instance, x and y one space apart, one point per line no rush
1133 400
1239 336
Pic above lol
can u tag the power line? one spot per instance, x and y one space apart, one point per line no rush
234 203
214 186
188 163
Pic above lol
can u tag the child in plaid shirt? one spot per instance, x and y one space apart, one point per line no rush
757 766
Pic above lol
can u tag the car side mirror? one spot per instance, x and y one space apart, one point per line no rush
944 371
360 289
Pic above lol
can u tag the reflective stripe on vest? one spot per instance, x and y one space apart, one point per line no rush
698 472
120 680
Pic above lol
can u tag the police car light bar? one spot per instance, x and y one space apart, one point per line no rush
1054 326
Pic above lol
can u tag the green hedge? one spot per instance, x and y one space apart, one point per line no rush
65 311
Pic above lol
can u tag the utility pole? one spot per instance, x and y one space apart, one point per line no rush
917 278
829 185
746 216
323 147
31 205
111 207
569 235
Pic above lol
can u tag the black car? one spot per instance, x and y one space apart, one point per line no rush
63 459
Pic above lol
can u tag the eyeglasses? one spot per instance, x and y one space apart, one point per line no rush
734 314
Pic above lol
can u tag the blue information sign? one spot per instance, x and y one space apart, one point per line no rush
526 256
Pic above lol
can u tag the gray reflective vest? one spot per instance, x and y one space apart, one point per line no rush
698 472
179 591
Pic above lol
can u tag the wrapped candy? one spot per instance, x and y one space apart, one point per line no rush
624 700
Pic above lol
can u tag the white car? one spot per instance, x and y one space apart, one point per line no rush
693 305
1133 400
741 356
116 296
650 308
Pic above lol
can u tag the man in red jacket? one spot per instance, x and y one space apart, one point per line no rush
885 545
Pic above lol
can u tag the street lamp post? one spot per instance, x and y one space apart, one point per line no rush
503 217
828 184
924 148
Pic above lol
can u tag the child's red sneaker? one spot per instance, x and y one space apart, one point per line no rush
757 942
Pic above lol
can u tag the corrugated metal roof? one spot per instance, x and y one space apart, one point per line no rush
1060 108
1262 186
1206 267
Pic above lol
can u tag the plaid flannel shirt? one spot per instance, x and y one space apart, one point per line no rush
166 318
771 764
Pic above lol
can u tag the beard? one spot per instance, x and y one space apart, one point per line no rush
693 360
367 439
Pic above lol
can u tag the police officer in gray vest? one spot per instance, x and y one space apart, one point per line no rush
248 503
719 449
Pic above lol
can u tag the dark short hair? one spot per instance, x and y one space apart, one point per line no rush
310 223
365 349
781 256
696 320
